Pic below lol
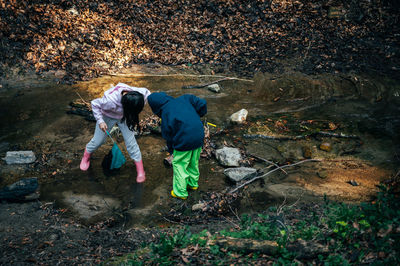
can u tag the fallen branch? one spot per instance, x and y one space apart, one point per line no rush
337 135
323 133
245 245
270 172
303 249
253 136
176 75
205 84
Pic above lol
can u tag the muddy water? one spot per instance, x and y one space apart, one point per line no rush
35 118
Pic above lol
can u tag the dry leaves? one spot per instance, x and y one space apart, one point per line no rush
87 39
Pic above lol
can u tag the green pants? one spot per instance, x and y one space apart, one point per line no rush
186 171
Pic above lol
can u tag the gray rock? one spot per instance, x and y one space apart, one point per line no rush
239 117
54 237
199 206
60 74
214 88
240 173
19 157
73 11
228 156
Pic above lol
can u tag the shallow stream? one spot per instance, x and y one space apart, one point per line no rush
33 117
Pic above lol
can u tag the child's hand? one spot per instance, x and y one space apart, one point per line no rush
168 161
103 126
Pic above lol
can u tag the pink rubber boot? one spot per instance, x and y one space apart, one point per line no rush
141 177
85 163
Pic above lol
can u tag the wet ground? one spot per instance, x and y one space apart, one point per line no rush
33 117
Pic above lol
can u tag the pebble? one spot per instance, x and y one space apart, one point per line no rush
53 237
214 88
326 146
239 117
353 183
322 174
198 206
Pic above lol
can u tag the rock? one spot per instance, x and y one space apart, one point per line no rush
322 174
54 237
239 117
73 11
240 173
214 88
199 206
353 183
19 189
60 74
292 153
19 157
228 156
326 146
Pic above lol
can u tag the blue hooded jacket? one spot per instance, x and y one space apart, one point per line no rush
181 126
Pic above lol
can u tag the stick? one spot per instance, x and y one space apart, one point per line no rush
337 135
265 160
175 75
323 133
170 221
270 172
204 85
82 98
253 136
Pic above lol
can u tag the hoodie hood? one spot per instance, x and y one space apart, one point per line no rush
157 101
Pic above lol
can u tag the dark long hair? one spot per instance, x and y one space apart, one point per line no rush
132 104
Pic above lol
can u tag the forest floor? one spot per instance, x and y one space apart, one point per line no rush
77 40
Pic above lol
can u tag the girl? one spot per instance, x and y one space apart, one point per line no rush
120 105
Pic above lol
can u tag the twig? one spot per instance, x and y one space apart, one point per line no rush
234 224
279 210
82 98
337 135
234 212
396 175
170 221
265 160
290 206
270 172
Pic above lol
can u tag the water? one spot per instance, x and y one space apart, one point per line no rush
35 119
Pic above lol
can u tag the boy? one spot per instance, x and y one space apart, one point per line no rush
183 130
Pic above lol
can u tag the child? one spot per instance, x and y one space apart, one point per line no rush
183 130
120 104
